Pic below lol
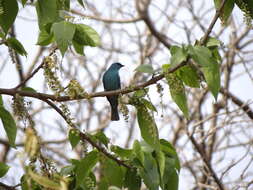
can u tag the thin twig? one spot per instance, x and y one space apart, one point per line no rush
215 18
106 20
34 72
208 164
194 142
143 12
245 107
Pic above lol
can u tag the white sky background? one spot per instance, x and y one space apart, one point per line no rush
27 32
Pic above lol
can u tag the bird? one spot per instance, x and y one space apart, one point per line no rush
111 81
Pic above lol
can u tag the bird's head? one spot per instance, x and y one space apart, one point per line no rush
116 66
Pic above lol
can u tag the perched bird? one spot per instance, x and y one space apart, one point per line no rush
111 81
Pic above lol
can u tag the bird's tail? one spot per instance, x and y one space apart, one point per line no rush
114 113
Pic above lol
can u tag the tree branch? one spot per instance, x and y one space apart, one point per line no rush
238 102
142 8
85 137
44 97
7 187
215 18
34 72
205 159
97 18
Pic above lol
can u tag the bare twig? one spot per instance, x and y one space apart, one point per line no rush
142 8
97 18
206 161
34 72
238 102
215 18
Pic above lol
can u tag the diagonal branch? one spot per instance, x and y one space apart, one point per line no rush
214 20
206 161
238 102
142 8
85 137
34 72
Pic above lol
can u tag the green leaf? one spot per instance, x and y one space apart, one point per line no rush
28 184
209 66
139 154
28 89
78 47
1 101
132 180
44 38
2 35
113 172
212 76
67 170
3 169
44 181
85 166
150 172
81 3
202 55
141 93
148 104
216 54
160 157
16 45
74 162
170 151
178 55
177 90
24 184
122 152
8 14
63 5
145 147
63 33
212 42
47 12
74 137
188 74
227 9
103 184
170 178
9 125
23 2
147 125
86 36
246 6
102 138
145 68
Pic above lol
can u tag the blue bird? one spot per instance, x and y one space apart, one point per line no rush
111 81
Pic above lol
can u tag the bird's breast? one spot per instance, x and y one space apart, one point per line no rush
111 80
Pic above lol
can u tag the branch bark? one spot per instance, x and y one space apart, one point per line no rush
43 96
85 137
